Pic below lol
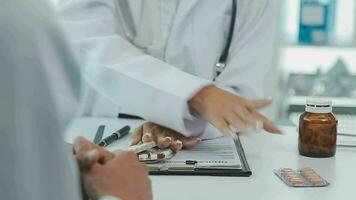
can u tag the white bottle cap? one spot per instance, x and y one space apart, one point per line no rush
318 105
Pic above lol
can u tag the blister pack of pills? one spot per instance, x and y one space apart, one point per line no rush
148 152
155 154
138 148
305 177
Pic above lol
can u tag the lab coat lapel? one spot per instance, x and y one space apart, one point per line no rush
181 36
198 35
149 30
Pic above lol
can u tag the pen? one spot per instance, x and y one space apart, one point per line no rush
99 134
114 136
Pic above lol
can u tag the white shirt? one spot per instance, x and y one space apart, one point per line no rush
34 162
155 80
37 70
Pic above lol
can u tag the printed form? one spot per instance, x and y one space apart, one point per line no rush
218 153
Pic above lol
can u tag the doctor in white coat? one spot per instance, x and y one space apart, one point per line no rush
157 59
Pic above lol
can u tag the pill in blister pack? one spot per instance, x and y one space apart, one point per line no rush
141 147
155 155
148 152
305 177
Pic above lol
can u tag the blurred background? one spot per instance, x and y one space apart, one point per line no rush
315 55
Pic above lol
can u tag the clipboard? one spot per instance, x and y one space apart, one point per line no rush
191 168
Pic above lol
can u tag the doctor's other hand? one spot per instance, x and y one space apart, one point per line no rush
229 112
122 176
164 137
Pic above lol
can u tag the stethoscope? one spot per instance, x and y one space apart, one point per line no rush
130 31
221 64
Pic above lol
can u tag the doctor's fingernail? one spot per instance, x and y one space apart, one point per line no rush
199 140
234 136
232 129
148 134
259 125
179 142
165 139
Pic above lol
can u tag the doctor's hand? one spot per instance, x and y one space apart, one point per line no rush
229 112
164 137
122 176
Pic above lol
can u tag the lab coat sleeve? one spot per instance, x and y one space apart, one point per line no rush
140 84
251 49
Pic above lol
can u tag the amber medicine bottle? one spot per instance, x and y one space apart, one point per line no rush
317 129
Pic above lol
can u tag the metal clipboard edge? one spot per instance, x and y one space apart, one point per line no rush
204 172
241 152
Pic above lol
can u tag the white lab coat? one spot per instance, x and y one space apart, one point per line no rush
181 45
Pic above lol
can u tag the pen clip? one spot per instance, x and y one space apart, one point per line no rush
99 134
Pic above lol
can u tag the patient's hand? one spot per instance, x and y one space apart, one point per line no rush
106 174
88 153
122 176
164 137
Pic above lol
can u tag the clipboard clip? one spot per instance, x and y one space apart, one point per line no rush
188 166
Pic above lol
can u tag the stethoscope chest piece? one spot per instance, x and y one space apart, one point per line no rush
221 64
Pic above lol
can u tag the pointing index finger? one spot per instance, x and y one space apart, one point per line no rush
259 103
